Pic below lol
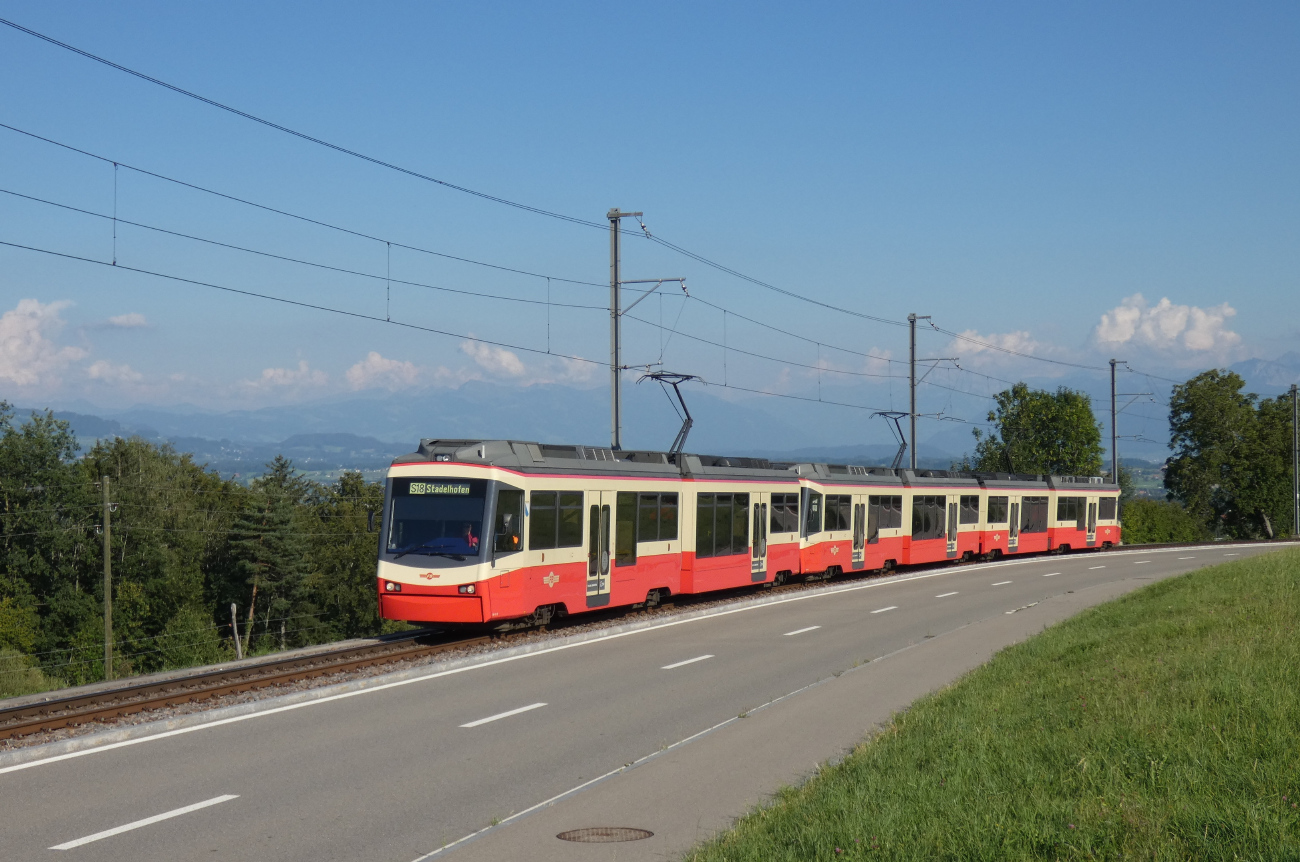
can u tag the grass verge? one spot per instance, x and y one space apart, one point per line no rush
1162 725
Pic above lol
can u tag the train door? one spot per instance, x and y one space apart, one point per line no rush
1013 528
952 527
598 547
859 532
758 550
1092 523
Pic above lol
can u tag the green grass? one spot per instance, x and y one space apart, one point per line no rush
1163 725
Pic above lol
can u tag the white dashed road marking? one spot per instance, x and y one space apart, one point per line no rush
1090 568
688 661
801 631
501 715
1140 562
1051 574
945 595
882 610
1001 584
166 815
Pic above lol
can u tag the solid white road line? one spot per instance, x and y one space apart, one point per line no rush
1091 568
1051 574
108 833
882 610
1140 562
945 595
801 631
501 715
1000 584
688 661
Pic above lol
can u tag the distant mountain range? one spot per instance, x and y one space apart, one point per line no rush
364 432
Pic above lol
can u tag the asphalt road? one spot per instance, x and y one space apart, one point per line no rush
394 774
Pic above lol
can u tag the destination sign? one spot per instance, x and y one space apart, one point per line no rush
452 488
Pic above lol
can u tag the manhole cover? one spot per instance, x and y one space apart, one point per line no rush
603 834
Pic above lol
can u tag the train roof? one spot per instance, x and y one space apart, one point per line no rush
543 458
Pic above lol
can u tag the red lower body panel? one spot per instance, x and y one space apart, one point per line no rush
431 609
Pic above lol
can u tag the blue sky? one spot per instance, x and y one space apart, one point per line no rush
1022 172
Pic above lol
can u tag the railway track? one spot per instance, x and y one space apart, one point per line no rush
116 702
113 703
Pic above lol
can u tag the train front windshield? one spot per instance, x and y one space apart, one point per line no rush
436 517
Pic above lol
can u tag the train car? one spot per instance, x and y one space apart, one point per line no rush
513 533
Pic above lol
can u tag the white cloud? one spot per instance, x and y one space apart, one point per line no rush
494 360
107 372
132 320
376 370
28 356
279 378
1168 327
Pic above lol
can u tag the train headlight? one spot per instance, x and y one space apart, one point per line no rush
392 587
467 588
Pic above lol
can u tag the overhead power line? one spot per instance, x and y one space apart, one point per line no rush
373 238
287 214
376 319
288 131
299 261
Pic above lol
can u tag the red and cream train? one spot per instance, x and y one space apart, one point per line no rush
499 531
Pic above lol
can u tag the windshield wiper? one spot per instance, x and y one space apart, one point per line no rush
425 550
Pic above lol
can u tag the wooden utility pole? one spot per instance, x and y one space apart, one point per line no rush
108 581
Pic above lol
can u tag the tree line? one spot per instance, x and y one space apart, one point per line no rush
296 557
1230 474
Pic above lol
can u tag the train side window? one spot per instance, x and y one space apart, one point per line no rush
570 520
785 513
928 517
997 510
813 517
1033 515
508 536
648 518
970 509
667 517
541 520
740 524
625 529
722 524
1106 508
839 512
704 505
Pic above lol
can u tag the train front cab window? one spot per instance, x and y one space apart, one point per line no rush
436 517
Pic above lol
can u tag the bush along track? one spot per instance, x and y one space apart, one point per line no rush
1163 725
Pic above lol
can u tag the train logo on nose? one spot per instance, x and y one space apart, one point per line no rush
551 579
835 549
